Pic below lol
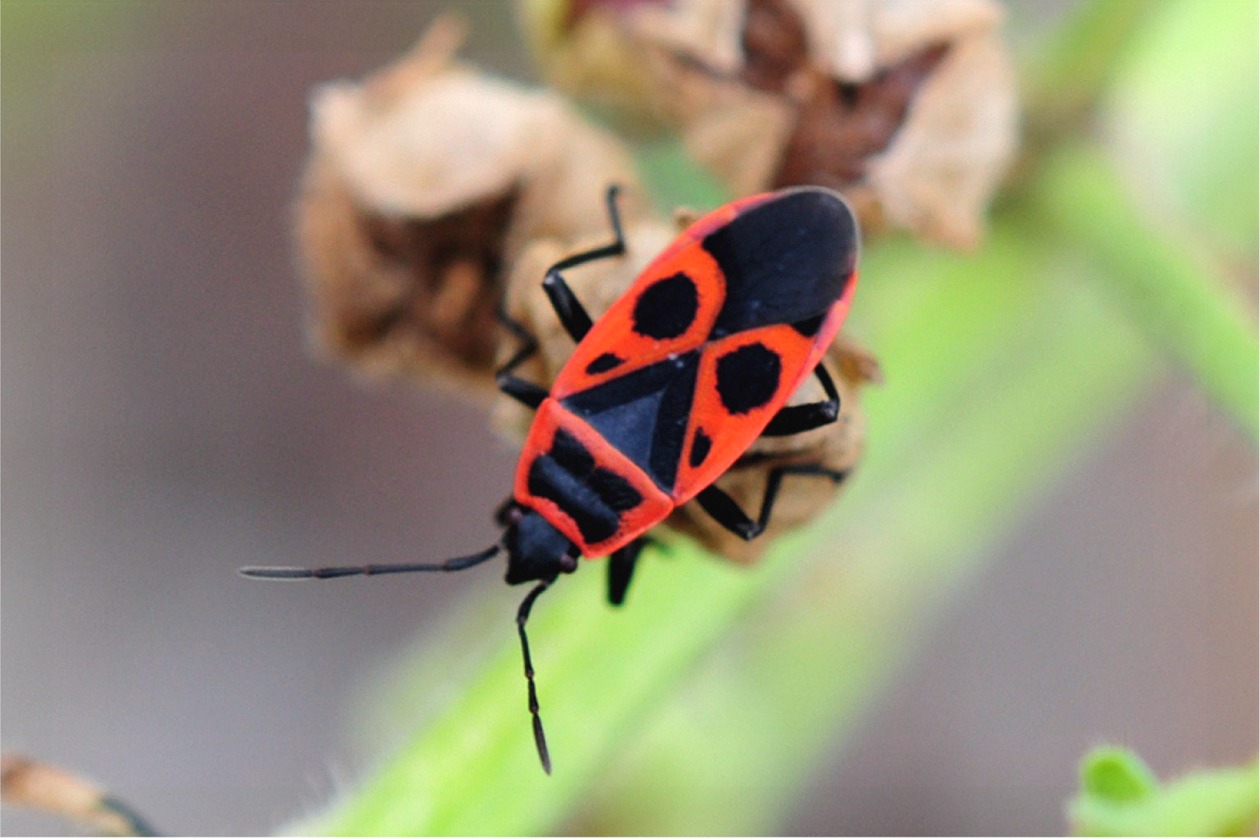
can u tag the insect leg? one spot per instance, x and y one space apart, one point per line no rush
527 393
727 513
797 418
621 569
568 308
522 615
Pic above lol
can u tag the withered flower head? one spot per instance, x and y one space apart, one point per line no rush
29 783
423 183
907 107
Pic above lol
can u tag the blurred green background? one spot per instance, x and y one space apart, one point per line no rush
163 424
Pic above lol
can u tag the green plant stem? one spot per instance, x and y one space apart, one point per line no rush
947 477
1078 61
1185 311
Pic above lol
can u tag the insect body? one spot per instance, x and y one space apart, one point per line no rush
664 393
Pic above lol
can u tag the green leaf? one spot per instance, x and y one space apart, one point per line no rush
1120 797
1116 775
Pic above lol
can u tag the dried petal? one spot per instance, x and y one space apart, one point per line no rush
907 107
940 172
29 783
401 294
424 182
581 45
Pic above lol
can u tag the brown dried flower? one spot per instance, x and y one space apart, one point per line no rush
29 783
908 108
424 182
434 192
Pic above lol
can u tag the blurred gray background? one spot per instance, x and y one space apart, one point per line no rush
164 423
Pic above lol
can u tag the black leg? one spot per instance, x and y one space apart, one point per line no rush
522 615
568 308
797 418
727 513
621 569
527 393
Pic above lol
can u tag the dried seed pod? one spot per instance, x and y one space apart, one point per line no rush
598 284
908 108
29 783
423 183
583 50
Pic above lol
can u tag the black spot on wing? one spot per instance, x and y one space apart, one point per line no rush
604 363
666 308
786 261
748 377
643 414
701 444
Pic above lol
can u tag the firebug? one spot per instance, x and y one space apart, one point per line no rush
694 362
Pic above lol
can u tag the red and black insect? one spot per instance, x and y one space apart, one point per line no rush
666 391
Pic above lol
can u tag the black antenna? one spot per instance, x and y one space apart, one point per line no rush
290 572
459 563
522 615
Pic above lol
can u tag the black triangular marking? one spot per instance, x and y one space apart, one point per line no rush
644 414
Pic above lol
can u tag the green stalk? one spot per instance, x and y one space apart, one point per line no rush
1079 60
812 659
1185 311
